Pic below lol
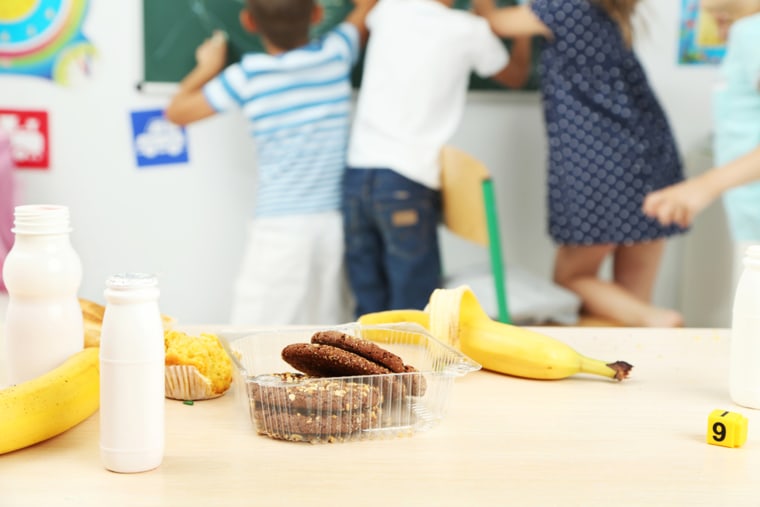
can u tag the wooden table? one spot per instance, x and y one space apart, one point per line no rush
581 441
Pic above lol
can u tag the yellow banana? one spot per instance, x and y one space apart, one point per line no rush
408 336
454 316
50 404
394 316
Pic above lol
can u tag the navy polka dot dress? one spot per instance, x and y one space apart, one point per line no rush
609 140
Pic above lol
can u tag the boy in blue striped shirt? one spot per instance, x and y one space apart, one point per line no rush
297 98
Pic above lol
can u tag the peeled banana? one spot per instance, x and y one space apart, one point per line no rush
455 317
391 316
50 404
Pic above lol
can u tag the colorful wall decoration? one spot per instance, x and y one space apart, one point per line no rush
43 38
699 40
156 140
30 143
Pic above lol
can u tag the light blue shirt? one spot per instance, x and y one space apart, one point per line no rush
298 107
737 117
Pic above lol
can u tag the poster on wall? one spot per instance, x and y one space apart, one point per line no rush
700 41
44 38
30 143
156 140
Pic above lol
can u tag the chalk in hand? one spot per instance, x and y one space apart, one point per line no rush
219 36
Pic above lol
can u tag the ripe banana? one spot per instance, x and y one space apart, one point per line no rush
456 317
392 316
50 404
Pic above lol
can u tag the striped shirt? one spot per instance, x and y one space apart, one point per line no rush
298 107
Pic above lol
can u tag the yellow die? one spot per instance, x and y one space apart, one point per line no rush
725 428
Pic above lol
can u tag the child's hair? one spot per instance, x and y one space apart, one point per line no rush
284 23
622 12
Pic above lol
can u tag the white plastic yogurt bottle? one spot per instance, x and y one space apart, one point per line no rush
42 272
744 366
132 375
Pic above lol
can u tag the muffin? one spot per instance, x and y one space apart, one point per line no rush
92 319
197 367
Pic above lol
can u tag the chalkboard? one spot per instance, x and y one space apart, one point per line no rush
173 29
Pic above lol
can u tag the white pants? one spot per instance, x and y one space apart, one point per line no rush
292 273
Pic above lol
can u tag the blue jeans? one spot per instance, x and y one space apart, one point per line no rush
391 232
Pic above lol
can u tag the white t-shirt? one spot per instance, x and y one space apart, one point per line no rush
418 63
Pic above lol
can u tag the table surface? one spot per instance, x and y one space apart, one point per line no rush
582 441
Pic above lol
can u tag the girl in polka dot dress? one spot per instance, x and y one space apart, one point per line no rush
609 145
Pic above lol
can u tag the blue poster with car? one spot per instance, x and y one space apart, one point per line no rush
156 140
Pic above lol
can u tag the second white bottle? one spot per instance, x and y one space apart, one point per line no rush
132 375
744 367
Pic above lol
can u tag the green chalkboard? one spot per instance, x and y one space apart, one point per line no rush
173 29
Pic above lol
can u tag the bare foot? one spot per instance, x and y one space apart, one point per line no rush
647 316
662 317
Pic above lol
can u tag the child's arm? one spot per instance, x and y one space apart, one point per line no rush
517 71
358 17
681 202
189 104
518 21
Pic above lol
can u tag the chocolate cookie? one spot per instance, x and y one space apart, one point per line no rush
336 354
416 383
365 348
329 361
294 391
298 426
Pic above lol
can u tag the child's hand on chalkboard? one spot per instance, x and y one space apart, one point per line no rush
212 54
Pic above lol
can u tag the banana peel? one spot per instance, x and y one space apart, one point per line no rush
455 317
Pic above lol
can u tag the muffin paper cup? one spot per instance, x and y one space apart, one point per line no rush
186 383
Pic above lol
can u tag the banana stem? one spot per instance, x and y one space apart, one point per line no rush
617 370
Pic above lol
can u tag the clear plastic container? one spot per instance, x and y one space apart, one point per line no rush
341 409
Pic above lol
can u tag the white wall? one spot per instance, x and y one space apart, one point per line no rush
186 221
